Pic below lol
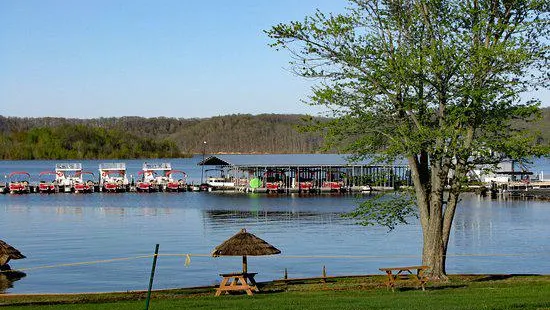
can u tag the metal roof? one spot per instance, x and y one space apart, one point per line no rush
282 160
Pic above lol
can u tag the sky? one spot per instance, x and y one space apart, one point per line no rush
171 58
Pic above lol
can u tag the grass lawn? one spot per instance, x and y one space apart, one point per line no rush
460 292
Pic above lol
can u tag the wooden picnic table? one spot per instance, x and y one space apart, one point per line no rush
403 273
238 281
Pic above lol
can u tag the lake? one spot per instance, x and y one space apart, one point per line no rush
104 242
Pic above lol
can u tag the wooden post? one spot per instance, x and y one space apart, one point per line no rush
286 274
152 277
245 264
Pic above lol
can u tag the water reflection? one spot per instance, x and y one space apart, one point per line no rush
217 218
217 215
60 229
8 277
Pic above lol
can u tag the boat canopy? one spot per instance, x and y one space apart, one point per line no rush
109 172
47 172
112 166
148 171
157 166
68 167
79 173
176 171
19 173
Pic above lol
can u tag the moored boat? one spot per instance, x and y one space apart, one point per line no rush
19 182
176 181
305 181
113 178
84 184
334 182
220 182
274 181
147 182
67 174
153 177
47 183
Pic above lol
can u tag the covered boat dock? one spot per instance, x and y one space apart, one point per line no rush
300 173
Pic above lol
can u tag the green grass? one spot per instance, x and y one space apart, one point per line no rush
460 292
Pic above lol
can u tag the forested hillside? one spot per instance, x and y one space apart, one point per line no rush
133 137
247 134
267 133
70 141
541 127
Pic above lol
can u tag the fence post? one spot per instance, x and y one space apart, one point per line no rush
151 278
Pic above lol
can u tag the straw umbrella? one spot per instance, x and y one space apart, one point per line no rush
8 252
244 244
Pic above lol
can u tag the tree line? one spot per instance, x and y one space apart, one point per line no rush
139 137
78 141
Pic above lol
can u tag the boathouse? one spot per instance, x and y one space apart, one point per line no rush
313 173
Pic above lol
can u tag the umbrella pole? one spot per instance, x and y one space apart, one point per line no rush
245 264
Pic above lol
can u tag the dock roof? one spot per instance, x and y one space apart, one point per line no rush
283 160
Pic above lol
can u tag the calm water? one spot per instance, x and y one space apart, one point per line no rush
58 230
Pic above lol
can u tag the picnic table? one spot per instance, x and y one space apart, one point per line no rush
237 281
403 273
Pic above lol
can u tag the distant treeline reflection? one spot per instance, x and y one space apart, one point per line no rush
220 216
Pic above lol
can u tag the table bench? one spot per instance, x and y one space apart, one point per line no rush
404 273
241 281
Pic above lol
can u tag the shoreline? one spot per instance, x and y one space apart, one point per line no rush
461 291
289 281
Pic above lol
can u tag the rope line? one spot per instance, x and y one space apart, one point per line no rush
189 255
86 263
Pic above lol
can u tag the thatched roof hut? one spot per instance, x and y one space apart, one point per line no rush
7 252
244 244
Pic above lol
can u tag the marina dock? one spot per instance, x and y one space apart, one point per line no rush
253 173
269 174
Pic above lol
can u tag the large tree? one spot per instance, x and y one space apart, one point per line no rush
436 82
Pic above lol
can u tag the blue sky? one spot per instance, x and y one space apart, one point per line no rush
173 58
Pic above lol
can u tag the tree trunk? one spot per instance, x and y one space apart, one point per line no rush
430 202
434 249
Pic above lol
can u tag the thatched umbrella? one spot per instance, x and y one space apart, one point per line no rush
244 244
8 252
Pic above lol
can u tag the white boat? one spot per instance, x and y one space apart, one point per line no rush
153 177
67 175
113 178
219 183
